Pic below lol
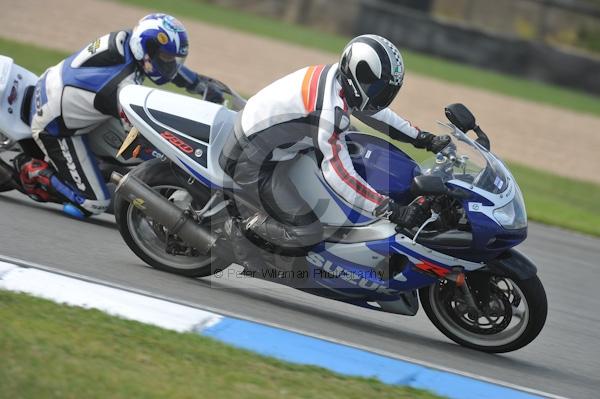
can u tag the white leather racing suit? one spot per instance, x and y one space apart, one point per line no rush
76 96
313 95
301 111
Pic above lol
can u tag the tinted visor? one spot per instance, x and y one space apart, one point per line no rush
381 94
167 64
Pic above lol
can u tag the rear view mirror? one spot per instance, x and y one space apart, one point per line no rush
461 117
428 185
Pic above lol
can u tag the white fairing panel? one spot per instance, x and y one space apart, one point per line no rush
218 118
14 80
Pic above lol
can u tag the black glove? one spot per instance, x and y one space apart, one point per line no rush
431 142
214 93
208 88
408 216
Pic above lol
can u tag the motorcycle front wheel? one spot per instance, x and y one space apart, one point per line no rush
511 316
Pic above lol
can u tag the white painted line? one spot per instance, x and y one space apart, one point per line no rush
129 305
144 293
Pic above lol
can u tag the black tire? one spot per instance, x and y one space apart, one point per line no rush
6 187
9 184
158 173
535 297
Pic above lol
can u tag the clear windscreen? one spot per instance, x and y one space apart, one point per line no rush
467 161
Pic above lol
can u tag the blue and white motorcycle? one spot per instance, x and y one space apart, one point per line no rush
17 86
474 286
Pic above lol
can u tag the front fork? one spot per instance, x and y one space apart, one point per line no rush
479 284
474 288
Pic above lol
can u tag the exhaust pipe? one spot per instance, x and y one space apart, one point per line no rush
154 205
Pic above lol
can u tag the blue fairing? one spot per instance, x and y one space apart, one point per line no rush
390 171
385 167
352 278
489 239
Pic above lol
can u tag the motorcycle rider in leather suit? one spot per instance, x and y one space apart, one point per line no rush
81 92
311 109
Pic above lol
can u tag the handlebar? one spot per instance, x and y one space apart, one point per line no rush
238 102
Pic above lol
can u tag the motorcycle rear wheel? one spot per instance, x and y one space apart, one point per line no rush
6 187
6 184
147 239
520 314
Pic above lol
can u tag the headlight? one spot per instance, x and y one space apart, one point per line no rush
513 216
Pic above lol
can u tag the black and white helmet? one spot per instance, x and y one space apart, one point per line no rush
371 72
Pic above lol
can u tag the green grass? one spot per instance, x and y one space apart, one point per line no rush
559 201
415 62
550 199
55 351
36 59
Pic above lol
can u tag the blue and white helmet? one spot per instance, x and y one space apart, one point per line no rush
159 43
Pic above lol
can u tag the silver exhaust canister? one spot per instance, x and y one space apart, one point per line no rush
164 212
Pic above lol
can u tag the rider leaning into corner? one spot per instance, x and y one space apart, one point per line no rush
81 92
311 108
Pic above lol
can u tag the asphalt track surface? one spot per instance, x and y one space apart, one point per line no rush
564 360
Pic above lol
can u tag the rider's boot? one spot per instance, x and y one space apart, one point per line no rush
244 251
41 184
284 239
35 176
